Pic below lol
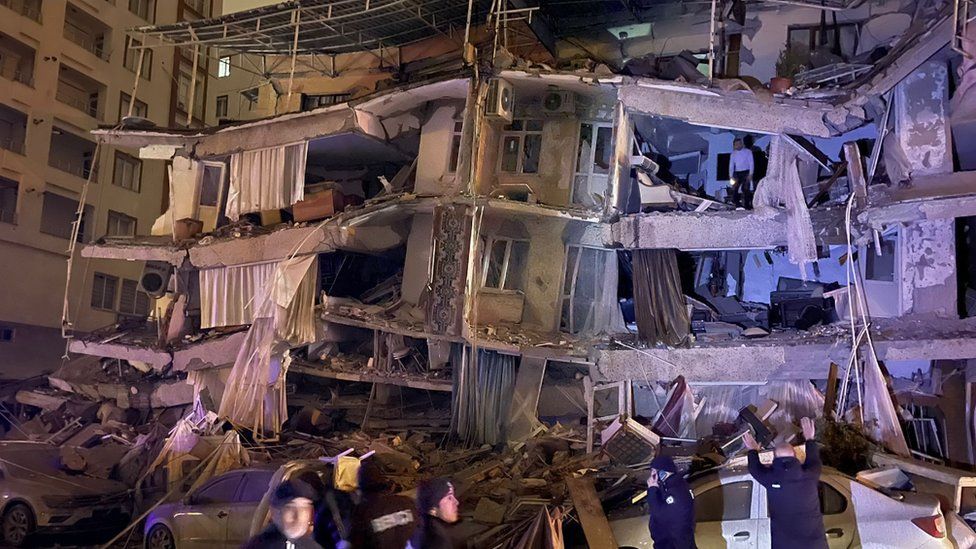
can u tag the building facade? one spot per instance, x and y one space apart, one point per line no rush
67 69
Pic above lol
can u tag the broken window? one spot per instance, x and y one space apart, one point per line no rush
521 146
881 267
128 172
8 200
120 224
213 177
221 109
455 153
505 261
103 291
58 214
585 287
593 162
732 501
310 102
133 301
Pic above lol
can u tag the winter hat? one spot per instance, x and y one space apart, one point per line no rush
664 463
291 490
371 477
431 492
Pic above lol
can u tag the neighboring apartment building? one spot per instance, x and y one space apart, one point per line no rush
65 70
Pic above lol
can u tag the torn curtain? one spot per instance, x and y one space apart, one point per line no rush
229 295
878 414
782 187
266 179
254 396
659 304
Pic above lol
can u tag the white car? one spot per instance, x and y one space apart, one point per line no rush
731 511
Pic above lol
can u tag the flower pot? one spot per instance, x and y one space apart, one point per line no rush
779 84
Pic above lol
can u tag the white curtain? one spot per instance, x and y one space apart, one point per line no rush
229 295
781 188
266 179
604 317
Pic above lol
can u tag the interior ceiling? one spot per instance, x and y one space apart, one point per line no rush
351 150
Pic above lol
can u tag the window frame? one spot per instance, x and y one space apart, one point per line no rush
506 262
522 134
140 106
150 15
137 171
454 151
224 63
233 477
131 57
84 223
217 105
119 216
115 292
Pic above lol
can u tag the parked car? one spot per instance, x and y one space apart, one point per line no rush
731 511
223 512
38 497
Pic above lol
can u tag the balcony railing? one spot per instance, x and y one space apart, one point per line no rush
73 166
25 77
85 40
28 8
83 104
12 144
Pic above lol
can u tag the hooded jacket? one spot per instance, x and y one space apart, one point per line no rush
433 533
672 509
795 519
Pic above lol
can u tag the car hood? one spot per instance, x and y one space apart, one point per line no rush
52 483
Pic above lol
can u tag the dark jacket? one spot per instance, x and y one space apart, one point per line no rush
433 533
271 538
382 521
672 509
795 520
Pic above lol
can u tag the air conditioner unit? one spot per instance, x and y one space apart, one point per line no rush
500 103
155 278
559 102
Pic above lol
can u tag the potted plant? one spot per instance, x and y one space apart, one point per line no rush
793 59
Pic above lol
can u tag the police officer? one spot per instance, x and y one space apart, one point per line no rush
672 506
381 519
791 491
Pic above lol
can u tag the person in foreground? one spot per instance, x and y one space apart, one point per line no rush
791 487
292 510
672 506
438 508
381 519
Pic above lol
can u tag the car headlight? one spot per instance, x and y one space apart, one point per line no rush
58 502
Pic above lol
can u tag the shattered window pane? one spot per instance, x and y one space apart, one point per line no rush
517 260
881 268
496 261
601 156
510 152
210 186
726 502
532 150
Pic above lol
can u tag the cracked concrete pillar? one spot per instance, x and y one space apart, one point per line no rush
928 277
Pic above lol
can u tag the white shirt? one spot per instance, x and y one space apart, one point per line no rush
740 161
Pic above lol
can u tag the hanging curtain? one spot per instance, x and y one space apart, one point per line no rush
782 187
266 179
604 317
229 295
659 304
482 396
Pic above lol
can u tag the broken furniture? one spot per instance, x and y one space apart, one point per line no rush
628 442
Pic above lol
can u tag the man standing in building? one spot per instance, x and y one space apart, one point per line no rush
741 168
672 506
795 519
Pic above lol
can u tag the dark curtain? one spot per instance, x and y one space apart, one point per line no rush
659 305
482 396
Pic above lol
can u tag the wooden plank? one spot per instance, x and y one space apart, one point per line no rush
596 527
40 400
855 172
523 418
830 399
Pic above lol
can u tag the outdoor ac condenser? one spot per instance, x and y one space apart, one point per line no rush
155 278
500 103
557 102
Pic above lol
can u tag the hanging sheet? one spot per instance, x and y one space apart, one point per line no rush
796 399
604 317
266 179
482 396
659 304
878 414
781 188
677 417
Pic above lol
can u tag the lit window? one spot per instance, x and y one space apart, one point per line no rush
223 67
521 146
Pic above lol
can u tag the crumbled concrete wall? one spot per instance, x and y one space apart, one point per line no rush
416 268
434 153
184 177
929 268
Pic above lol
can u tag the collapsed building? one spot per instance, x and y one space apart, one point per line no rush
493 247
